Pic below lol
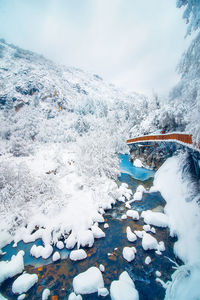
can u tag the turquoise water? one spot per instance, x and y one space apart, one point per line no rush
28 259
126 166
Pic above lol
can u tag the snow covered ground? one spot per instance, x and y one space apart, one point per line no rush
183 211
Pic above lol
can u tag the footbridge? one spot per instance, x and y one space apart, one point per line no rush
182 138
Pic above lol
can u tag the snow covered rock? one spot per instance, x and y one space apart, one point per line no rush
103 292
141 189
137 163
71 241
130 235
147 228
23 283
40 251
45 294
155 218
78 255
158 273
21 297
106 225
147 260
97 232
161 246
123 217
124 288
128 205
101 268
73 296
13 267
129 253
137 196
149 242
56 256
133 214
96 217
60 245
88 282
139 233
85 238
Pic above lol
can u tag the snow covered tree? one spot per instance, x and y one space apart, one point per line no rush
191 13
187 91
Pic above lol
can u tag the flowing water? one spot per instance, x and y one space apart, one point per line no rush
58 276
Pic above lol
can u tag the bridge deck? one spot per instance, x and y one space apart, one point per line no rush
179 137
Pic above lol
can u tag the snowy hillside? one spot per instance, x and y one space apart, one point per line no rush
61 130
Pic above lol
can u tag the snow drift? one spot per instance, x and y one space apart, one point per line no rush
181 193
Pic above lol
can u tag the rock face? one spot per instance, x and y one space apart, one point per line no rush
153 154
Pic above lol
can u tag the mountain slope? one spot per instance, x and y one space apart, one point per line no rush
61 130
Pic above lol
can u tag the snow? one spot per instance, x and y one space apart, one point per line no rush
155 218
139 233
129 253
23 283
45 294
147 228
86 238
60 245
149 242
56 256
158 274
127 205
88 282
13 267
139 193
137 163
130 235
6 239
137 196
103 292
147 260
73 296
132 214
141 189
70 241
97 232
183 219
124 192
124 217
123 288
106 225
78 254
21 297
41 251
161 246
101 268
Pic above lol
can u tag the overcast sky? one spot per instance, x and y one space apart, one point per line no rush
134 44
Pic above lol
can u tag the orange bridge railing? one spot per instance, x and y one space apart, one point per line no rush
179 137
